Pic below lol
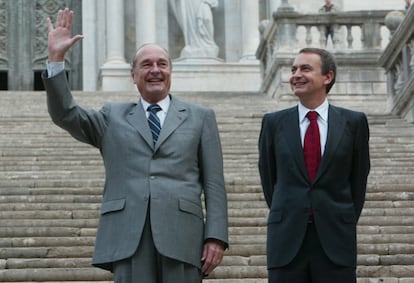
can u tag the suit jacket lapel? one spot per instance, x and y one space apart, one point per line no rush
176 115
138 119
336 126
291 132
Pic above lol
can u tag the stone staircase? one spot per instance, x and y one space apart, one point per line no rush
51 185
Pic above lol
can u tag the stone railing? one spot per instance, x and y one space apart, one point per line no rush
359 39
398 61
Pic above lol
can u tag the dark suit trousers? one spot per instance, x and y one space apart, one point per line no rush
148 266
312 265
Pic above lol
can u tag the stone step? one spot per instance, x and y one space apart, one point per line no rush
258 196
233 144
369 215
77 223
389 203
65 241
248 166
13 232
47 252
385 212
251 274
54 274
51 185
25 263
379 176
365 260
50 154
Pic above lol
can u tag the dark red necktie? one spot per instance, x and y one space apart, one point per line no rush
312 145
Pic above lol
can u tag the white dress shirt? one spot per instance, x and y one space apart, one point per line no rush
322 122
54 68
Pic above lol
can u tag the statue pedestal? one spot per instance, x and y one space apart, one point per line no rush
211 75
193 75
116 76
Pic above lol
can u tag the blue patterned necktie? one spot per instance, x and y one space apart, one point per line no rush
154 121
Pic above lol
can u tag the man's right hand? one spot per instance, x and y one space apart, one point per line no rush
59 38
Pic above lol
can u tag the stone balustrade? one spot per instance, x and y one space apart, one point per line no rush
358 41
398 61
284 32
285 27
363 42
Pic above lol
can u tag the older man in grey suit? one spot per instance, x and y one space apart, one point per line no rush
152 227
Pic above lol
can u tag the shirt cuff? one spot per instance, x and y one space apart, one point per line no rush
54 68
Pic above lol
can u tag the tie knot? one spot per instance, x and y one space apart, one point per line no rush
154 108
312 115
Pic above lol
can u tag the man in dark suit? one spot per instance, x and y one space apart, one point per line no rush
315 202
152 227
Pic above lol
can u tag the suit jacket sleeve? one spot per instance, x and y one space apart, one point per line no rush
267 163
85 125
211 171
361 164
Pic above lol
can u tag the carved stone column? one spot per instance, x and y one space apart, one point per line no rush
89 46
145 23
115 71
250 28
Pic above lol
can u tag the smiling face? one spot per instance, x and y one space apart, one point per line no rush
151 72
307 81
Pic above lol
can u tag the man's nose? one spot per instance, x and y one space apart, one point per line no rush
296 73
154 68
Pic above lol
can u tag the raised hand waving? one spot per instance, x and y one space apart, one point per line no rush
60 38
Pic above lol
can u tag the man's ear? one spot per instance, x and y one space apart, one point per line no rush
329 77
132 75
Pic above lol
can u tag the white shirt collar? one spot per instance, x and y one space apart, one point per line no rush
164 104
321 109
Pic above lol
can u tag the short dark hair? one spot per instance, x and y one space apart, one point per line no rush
327 63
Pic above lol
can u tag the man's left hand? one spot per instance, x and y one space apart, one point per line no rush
212 255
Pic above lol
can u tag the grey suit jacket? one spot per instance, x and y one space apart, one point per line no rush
336 196
167 179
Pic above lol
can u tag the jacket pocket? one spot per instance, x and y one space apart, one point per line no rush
112 206
190 207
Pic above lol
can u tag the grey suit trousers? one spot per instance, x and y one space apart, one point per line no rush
147 265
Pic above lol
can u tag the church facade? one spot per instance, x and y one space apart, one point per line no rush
114 29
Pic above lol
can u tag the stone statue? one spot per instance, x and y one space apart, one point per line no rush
196 22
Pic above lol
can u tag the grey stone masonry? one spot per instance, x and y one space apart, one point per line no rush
51 185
